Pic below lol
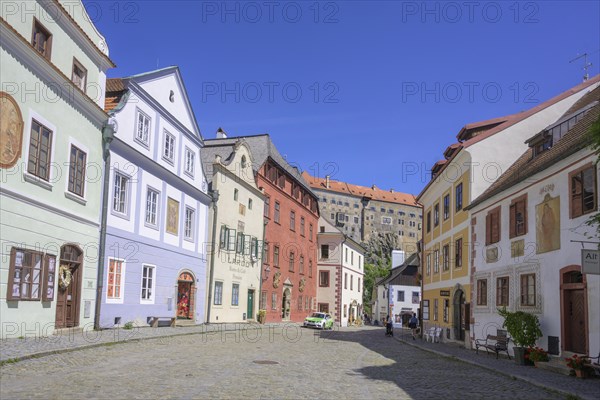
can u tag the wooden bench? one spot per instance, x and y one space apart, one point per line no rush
153 321
495 343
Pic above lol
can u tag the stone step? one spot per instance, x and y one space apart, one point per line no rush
555 364
184 322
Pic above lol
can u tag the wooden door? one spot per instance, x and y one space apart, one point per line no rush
67 298
575 332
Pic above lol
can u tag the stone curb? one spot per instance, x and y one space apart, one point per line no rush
114 342
475 363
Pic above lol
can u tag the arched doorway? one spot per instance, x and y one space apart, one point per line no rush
285 304
574 322
69 286
458 304
186 293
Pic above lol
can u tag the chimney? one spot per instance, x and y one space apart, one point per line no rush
374 187
327 181
391 190
221 134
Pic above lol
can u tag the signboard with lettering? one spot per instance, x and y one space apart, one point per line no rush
445 293
590 262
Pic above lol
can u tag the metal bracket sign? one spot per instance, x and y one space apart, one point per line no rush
590 261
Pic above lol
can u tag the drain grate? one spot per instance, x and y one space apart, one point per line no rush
265 362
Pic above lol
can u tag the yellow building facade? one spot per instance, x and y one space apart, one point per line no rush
484 151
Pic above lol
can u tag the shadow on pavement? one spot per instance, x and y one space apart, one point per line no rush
424 375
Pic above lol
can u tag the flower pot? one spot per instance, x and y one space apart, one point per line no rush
582 373
519 355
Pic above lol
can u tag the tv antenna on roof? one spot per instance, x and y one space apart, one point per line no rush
586 65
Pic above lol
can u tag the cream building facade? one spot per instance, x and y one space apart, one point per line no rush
234 278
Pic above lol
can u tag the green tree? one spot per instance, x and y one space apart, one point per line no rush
594 138
373 272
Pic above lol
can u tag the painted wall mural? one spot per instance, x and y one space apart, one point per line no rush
11 131
172 216
547 224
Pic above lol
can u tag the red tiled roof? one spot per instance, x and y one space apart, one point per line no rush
514 118
374 193
527 165
115 89
503 123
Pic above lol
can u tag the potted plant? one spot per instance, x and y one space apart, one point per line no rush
524 330
581 365
537 355
262 314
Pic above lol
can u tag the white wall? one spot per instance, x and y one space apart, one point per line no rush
546 266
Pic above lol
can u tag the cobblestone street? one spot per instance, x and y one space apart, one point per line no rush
273 362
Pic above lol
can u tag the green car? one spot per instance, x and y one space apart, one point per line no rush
319 320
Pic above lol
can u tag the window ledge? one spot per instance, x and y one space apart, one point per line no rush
119 215
75 198
148 225
142 143
37 181
189 240
143 302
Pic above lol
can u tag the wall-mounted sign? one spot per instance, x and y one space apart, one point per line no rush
11 131
590 262
445 293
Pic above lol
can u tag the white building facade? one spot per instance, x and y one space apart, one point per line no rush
530 228
341 274
155 252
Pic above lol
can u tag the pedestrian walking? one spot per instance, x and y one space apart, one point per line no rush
388 327
413 323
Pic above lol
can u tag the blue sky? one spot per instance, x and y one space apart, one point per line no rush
363 91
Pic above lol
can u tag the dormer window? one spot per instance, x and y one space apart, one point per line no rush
550 136
79 75
41 39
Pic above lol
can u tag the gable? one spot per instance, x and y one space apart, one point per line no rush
160 85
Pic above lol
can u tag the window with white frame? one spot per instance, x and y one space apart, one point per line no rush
428 270
40 151
169 147
77 165
152 197
235 294
115 280
148 283
528 290
142 130
218 293
188 228
190 159
120 193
